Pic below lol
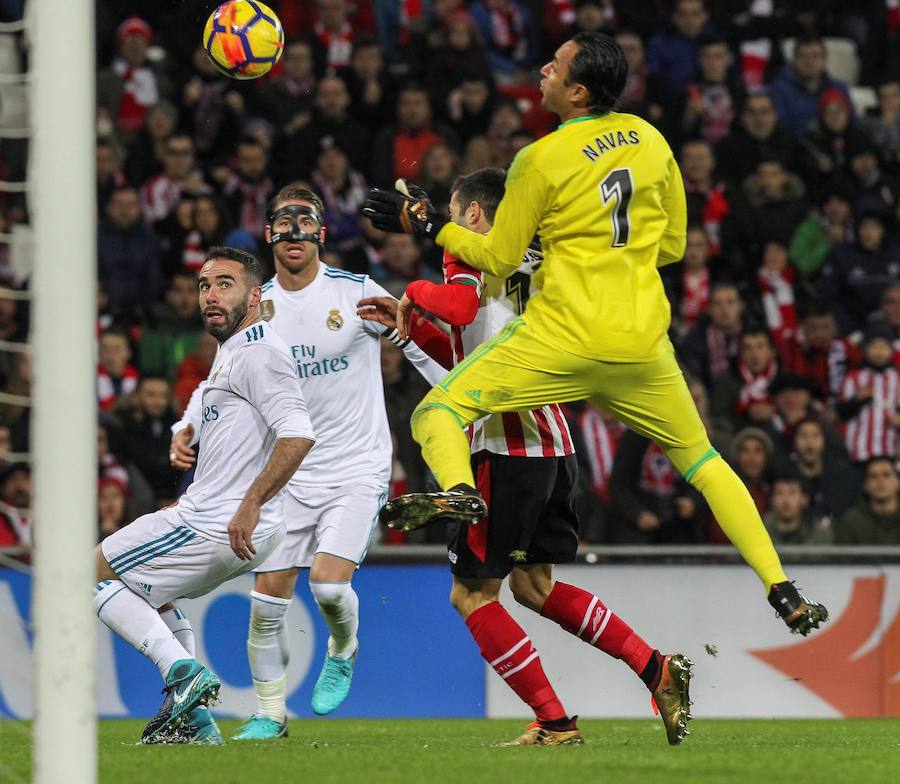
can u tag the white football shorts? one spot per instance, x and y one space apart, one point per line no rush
338 520
162 559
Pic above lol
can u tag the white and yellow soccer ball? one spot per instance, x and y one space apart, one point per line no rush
243 39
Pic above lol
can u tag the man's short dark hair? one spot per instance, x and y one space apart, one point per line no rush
599 65
248 261
153 377
756 330
880 459
295 192
808 39
484 186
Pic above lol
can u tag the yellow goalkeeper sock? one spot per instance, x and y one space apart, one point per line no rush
733 507
439 431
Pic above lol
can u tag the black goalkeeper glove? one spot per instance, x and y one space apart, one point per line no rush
410 212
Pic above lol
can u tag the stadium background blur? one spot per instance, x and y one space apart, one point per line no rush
786 309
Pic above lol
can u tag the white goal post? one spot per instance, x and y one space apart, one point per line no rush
62 192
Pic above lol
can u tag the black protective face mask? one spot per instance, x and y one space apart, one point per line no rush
295 211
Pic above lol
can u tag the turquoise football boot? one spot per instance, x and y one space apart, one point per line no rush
261 728
333 685
188 685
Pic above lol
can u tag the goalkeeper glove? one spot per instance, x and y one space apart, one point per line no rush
407 210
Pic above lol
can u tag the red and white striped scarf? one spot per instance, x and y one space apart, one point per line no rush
601 438
658 475
110 389
508 31
193 252
338 45
777 289
755 388
722 350
695 296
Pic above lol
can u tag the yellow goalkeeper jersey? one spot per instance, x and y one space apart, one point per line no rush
607 200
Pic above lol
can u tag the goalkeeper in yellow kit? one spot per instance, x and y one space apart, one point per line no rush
605 196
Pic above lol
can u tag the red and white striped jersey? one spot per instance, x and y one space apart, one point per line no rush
601 434
870 433
543 432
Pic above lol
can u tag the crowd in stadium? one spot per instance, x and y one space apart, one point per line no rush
784 117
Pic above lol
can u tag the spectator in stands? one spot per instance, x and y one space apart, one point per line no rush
128 256
854 275
883 126
711 101
647 94
469 105
752 453
756 136
147 152
370 84
689 284
193 369
826 145
775 285
509 37
597 437
116 377
790 520
333 34
494 149
875 519
172 329
818 353
108 465
654 503
332 119
161 193
144 435
196 224
343 192
708 202
875 191
131 84
247 188
440 168
112 506
400 263
213 109
771 207
673 51
460 56
828 225
744 395
109 170
398 148
15 506
831 484
710 348
889 313
870 399
287 98
797 90
793 400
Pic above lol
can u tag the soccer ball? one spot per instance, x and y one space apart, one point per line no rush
243 39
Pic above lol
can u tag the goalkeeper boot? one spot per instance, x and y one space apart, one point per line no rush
188 685
671 698
333 685
799 613
414 510
259 727
554 733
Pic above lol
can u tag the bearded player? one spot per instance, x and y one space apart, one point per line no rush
526 472
604 194
332 503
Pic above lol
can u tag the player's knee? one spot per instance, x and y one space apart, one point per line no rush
329 595
266 615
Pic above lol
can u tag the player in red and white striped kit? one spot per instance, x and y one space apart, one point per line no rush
526 472
870 400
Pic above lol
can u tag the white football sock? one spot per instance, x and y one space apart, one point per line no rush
268 652
339 606
139 624
181 627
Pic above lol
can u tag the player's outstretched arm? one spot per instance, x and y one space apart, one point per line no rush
287 454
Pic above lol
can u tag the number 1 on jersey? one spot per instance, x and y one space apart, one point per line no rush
618 185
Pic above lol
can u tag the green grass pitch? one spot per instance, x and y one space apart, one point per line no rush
466 752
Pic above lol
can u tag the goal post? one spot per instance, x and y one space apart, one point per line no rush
62 191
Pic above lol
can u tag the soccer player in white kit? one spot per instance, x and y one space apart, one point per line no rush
254 431
332 502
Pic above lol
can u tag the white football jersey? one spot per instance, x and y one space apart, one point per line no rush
338 360
251 399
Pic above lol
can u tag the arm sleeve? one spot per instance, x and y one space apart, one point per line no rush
674 204
499 252
430 370
455 302
192 413
266 377
432 341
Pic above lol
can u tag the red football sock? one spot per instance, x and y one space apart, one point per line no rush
508 649
585 616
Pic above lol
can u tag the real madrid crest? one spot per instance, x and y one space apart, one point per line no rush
266 309
335 320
